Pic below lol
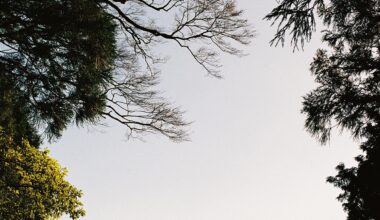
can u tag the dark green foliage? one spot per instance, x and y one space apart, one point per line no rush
58 56
14 115
78 61
348 91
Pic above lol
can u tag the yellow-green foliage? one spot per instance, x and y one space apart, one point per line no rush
32 184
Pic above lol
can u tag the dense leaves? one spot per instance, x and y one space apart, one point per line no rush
79 61
14 115
348 91
66 61
360 185
57 56
32 185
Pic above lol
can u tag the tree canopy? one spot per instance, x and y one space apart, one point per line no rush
32 184
66 61
348 86
80 61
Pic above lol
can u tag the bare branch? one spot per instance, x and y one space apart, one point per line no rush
217 23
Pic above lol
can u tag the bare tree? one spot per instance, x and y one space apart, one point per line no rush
201 27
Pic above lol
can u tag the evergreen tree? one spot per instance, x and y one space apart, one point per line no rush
79 61
348 91
66 61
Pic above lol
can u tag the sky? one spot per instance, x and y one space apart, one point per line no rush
249 157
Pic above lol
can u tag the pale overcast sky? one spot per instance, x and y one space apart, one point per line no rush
249 157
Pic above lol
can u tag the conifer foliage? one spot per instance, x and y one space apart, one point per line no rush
67 61
348 87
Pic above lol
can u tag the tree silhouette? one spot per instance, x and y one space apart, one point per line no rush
80 61
348 91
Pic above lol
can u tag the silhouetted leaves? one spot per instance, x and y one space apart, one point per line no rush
348 87
80 61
